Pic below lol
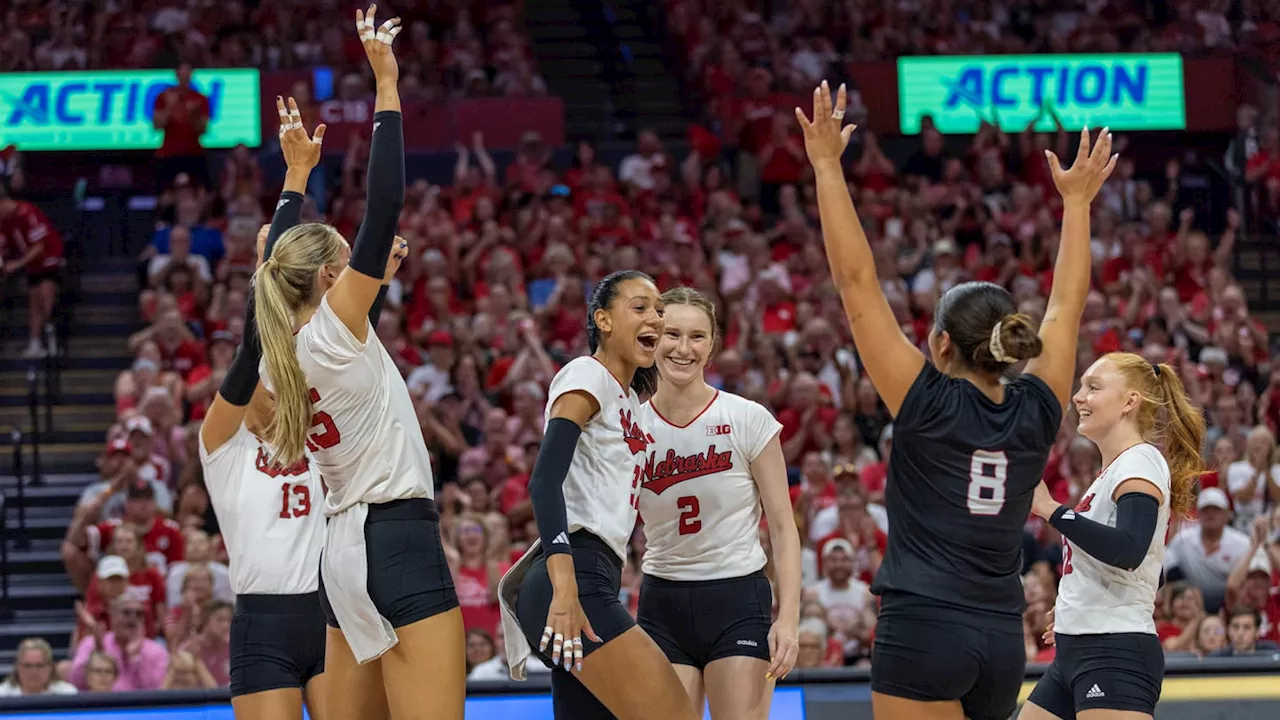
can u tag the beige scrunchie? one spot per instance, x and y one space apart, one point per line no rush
997 347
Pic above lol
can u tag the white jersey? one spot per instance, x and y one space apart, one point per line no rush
365 439
270 517
602 487
1095 598
699 502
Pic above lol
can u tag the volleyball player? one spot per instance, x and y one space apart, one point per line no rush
1109 663
714 459
395 637
968 449
562 596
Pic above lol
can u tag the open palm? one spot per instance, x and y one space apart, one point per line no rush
1093 165
301 150
826 136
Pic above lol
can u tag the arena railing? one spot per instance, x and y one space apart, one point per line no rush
1199 689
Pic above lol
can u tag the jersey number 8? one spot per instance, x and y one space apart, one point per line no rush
988 473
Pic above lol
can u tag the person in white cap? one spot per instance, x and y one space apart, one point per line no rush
1206 552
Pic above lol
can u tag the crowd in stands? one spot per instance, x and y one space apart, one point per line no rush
463 48
491 302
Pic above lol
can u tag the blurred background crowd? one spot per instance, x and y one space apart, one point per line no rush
491 302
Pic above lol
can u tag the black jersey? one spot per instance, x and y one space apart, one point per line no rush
961 477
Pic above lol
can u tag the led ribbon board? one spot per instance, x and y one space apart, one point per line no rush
112 110
1124 92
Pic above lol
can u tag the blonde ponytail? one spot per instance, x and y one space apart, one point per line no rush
285 284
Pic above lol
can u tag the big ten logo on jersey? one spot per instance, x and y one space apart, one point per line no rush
673 469
717 430
1085 503
325 433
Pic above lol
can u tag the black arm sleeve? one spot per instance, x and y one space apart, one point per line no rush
288 213
385 182
375 310
546 487
242 377
1123 546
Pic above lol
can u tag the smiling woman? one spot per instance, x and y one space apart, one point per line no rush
716 459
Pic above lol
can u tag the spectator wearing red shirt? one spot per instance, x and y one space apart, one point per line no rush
478 565
28 241
807 421
146 584
110 581
782 161
162 539
182 114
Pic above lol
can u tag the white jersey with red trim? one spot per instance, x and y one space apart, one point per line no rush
699 500
1095 598
365 438
270 517
601 490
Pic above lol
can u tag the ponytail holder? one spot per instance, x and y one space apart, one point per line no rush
997 347
1156 369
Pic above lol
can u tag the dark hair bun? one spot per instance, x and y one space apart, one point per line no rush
1015 340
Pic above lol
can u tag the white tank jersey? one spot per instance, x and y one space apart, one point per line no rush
271 518
601 490
365 438
699 502
1094 597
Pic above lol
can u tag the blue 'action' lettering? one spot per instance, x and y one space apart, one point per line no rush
1084 85
39 105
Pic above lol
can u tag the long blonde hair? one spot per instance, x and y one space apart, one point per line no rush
285 284
1168 420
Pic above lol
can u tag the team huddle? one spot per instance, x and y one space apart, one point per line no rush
345 601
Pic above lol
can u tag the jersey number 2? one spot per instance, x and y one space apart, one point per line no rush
328 435
290 509
689 511
988 473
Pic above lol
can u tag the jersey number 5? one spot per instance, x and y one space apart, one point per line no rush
290 509
328 434
988 473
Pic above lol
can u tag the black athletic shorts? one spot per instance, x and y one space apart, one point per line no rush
1120 671
409 578
277 641
696 622
929 650
599 574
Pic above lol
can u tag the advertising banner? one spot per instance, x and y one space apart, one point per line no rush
1124 92
111 110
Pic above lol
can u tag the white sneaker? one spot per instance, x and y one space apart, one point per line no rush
34 351
52 337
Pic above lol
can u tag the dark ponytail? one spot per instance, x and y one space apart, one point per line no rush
645 380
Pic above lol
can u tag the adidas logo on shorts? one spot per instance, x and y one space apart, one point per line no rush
749 643
1095 692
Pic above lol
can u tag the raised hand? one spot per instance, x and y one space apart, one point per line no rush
826 136
377 44
301 151
1092 167
398 252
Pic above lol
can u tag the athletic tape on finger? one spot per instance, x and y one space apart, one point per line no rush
388 32
366 29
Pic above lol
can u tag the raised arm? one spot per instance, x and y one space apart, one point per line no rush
357 288
1078 186
302 153
894 365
